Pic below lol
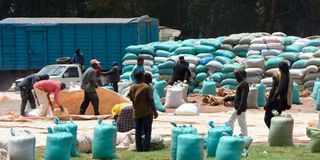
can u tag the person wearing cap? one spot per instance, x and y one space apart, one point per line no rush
43 90
78 58
114 74
26 87
89 84
181 71
137 68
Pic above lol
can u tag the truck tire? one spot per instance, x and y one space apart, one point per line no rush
63 60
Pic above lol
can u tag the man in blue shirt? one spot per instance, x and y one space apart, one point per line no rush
78 58
137 68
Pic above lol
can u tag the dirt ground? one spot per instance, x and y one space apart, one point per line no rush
302 114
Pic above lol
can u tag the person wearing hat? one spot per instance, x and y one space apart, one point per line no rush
26 87
89 83
78 58
114 74
43 90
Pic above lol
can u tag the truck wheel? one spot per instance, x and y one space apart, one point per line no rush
8 80
63 60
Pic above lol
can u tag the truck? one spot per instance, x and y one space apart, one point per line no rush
66 73
29 44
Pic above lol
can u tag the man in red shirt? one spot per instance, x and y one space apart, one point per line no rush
43 90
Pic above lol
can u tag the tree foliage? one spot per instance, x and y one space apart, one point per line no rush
196 18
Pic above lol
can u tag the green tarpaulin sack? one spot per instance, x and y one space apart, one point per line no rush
230 67
273 62
281 129
296 94
189 147
213 137
58 145
201 77
201 68
160 85
318 101
315 89
176 131
217 76
211 42
134 49
310 49
129 56
230 148
261 94
157 101
70 127
314 135
104 141
224 53
128 68
167 64
204 49
302 63
147 50
185 50
224 60
208 88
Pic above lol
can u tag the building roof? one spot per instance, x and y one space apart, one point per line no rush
56 20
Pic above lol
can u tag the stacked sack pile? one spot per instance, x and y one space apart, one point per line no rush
216 58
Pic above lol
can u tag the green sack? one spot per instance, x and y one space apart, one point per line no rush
310 49
166 71
201 68
167 64
261 94
213 137
281 129
58 145
230 67
302 63
296 94
211 42
201 77
185 50
230 148
228 75
160 87
224 53
230 81
230 86
157 101
204 49
127 68
104 141
273 62
133 49
175 132
318 101
147 50
189 147
315 89
255 57
217 76
129 56
290 56
70 127
208 88
224 60
163 46
125 75
314 135
242 54
294 48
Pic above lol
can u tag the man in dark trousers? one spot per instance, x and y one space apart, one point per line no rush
89 85
78 58
114 74
181 71
143 111
280 97
26 87
240 102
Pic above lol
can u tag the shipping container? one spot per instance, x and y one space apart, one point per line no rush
28 44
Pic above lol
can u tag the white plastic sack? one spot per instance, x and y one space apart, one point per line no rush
254 79
267 81
277 46
258 41
306 56
188 109
253 52
312 76
124 87
21 146
252 98
254 71
297 73
311 69
258 47
270 52
160 59
174 97
214 65
129 62
84 143
255 63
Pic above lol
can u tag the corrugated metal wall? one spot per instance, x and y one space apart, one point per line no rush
32 47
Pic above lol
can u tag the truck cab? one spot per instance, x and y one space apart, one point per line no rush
66 73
